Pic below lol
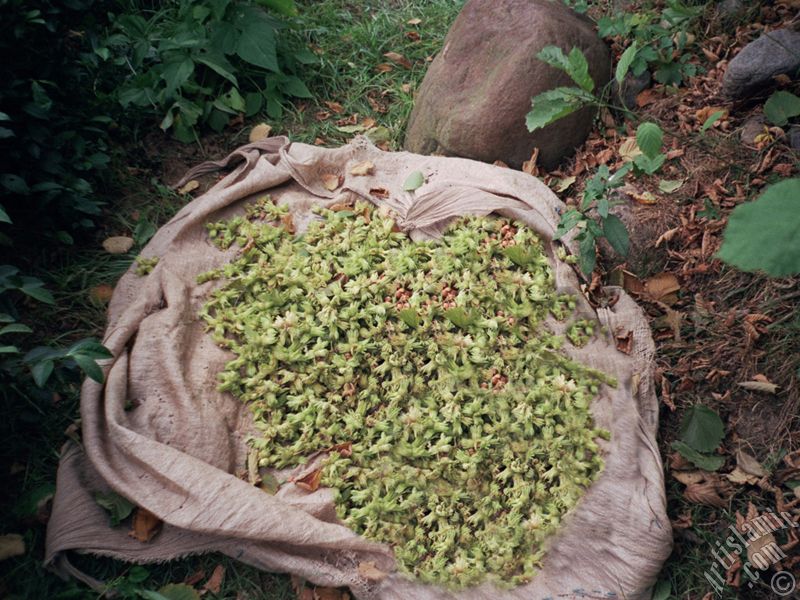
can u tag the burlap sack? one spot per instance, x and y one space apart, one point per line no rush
177 451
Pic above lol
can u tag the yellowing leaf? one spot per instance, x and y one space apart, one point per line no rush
661 285
370 572
670 185
260 132
399 59
363 168
563 184
145 525
414 21
629 149
190 186
330 181
118 244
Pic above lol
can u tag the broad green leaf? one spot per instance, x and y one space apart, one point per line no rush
781 107
649 138
4 218
118 507
588 253
256 46
6 318
518 255
553 105
763 235
143 231
569 220
14 184
284 7
137 574
292 86
9 350
625 61
15 328
176 73
41 372
707 462
459 317
172 591
649 165
90 367
37 292
413 181
617 234
702 429
603 207
409 317
662 590
219 65
89 347
555 57
713 118
579 70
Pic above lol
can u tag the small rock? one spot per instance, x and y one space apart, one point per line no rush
632 86
754 126
118 244
774 53
794 137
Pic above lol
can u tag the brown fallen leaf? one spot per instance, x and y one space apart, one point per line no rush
337 206
331 181
118 244
661 285
11 544
713 491
370 572
190 186
195 577
345 449
252 467
704 113
334 106
412 35
310 482
363 168
689 477
288 223
398 58
301 591
101 293
384 67
260 132
330 593
145 525
646 97
759 386
368 123
414 21
529 166
381 193
214 583
624 339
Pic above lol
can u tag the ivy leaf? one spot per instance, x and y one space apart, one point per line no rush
118 508
781 107
702 429
625 62
617 234
552 105
414 181
707 462
649 138
762 235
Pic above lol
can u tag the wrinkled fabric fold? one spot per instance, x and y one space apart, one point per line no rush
159 433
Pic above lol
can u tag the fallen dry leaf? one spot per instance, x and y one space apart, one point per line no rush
145 525
190 186
368 123
713 491
398 58
384 67
195 577
214 583
310 482
759 386
370 572
704 113
301 591
101 293
11 544
334 106
413 35
414 21
260 132
689 477
288 223
629 149
529 166
344 449
331 181
646 97
252 467
330 593
363 168
661 285
118 244
381 193
624 339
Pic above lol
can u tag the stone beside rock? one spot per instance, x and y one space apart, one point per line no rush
774 53
477 92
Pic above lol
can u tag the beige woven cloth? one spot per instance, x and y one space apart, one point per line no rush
177 451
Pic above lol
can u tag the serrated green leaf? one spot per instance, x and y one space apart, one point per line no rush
413 181
781 107
409 317
118 508
649 138
762 235
555 57
625 62
649 165
702 429
707 462
552 105
578 70
459 317
617 234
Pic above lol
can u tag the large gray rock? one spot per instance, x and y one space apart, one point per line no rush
774 53
478 90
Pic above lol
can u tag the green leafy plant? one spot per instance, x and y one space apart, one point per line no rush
780 107
204 63
593 220
762 235
649 139
701 433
